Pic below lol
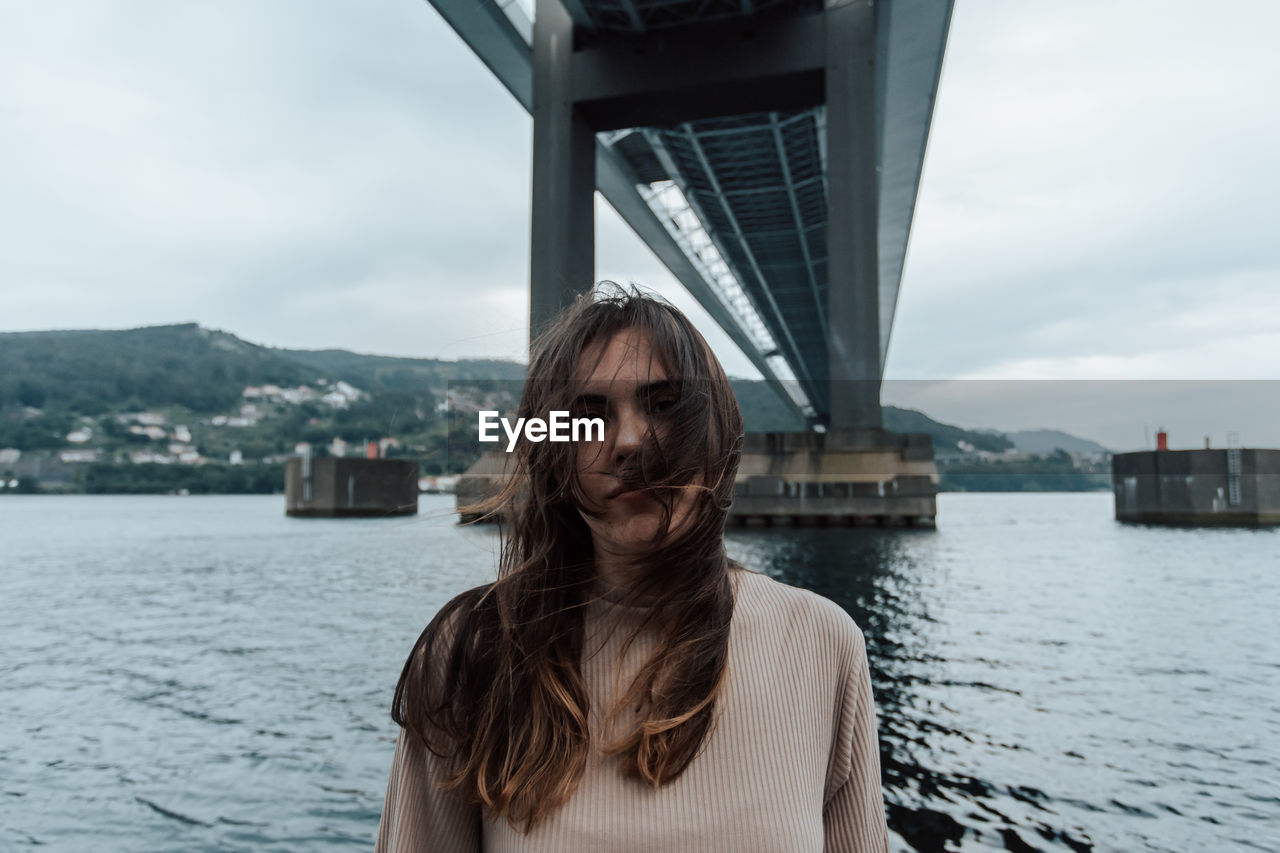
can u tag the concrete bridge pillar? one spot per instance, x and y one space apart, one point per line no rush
563 251
853 266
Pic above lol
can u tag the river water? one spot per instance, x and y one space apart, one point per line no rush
203 673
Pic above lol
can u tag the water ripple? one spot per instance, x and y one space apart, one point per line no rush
207 674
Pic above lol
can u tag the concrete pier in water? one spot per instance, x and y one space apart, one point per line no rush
341 487
1232 486
866 477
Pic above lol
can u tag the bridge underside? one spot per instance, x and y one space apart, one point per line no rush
735 137
764 146
768 152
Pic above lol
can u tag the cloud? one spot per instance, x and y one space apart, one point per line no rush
1094 167
230 159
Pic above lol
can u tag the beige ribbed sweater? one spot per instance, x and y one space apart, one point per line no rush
791 766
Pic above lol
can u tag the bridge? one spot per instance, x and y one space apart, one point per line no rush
769 152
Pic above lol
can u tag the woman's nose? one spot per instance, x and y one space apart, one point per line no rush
631 432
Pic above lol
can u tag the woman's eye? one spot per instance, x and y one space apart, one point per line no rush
662 404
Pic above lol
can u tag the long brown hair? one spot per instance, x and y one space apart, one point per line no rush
494 683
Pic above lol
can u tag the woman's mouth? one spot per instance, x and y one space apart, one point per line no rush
632 495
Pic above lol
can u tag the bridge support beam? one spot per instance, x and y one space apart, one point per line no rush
669 77
856 473
853 281
562 255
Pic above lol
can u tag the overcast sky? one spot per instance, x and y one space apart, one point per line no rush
1100 198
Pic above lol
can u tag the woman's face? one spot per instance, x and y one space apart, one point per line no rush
629 390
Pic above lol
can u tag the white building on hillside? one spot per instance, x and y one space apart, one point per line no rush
152 432
342 395
301 394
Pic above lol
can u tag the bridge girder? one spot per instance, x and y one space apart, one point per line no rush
872 132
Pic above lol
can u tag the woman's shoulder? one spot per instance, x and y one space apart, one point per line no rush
459 614
444 652
787 609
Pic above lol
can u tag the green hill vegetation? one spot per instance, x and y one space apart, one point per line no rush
168 408
92 372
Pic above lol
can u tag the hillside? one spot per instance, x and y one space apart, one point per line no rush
203 370
1042 442
96 371
402 374
79 407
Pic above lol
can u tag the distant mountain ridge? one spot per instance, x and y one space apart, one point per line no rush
205 370
91 372
1042 442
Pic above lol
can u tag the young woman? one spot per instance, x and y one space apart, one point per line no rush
623 685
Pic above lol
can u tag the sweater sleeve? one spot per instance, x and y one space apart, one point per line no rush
416 815
853 817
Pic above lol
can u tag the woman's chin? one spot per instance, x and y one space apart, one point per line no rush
635 534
